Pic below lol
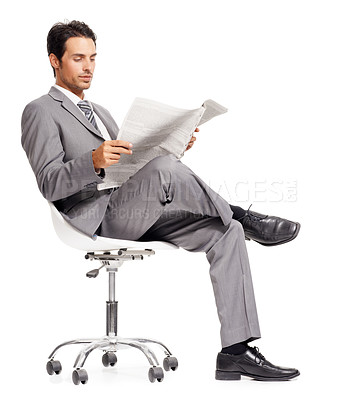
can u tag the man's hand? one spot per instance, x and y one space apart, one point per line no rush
109 153
191 142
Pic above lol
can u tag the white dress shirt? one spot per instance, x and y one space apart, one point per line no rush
75 99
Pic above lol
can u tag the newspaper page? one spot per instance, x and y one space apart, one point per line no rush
155 129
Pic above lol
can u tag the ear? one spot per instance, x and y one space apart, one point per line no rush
54 61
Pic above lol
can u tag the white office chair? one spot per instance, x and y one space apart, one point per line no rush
112 253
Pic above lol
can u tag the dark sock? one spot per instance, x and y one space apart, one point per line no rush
235 349
238 212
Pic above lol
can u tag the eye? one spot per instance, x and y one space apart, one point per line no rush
77 59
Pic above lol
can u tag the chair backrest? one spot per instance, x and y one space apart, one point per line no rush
78 240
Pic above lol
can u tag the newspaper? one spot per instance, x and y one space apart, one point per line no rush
155 129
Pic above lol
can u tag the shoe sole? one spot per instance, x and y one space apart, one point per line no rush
284 241
237 376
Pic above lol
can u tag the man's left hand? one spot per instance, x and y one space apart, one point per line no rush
191 142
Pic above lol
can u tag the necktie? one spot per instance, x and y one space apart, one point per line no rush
86 108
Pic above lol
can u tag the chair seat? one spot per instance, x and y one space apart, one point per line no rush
78 240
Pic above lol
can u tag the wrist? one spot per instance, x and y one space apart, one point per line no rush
97 169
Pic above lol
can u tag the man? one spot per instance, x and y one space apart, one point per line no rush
70 142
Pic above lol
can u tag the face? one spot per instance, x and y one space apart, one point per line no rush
75 71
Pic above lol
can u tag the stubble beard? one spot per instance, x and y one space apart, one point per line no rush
75 85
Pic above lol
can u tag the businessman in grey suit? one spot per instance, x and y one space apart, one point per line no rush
70 142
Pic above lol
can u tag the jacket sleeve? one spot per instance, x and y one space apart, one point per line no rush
41 141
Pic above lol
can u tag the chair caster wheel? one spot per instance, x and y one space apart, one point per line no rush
53 367
155 373
170 363
79 376
109 359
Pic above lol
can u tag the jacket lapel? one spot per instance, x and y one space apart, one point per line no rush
105 121
73 109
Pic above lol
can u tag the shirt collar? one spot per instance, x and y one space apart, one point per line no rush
72 96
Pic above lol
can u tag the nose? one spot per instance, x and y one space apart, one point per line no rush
87 66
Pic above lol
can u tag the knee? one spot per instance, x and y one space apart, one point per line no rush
160 164
235 228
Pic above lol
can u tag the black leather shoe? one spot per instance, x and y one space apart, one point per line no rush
252 364
268 230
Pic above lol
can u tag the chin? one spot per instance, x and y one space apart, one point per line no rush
85 86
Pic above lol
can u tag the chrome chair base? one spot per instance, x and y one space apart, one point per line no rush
111 343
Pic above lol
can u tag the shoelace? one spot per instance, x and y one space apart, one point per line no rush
252 217
258 356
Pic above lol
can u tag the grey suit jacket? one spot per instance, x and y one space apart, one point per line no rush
59 140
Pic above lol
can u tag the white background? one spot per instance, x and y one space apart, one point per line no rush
288 73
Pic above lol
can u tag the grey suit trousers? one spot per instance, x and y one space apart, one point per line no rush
166 201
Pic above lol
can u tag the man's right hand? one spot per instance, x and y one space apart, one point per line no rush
109 153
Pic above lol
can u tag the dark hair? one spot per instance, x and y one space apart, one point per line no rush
61 32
